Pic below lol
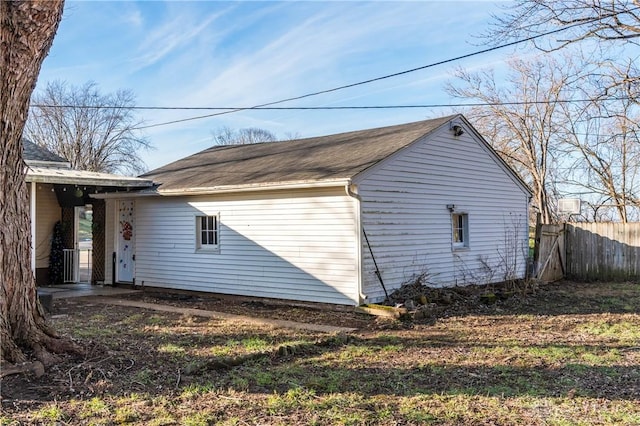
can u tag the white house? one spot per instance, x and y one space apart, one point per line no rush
326 219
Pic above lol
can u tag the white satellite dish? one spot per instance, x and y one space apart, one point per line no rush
569 205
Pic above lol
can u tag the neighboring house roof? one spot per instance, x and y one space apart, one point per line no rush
33 153
46 167
325 158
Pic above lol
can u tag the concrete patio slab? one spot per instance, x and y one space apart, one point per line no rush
63 291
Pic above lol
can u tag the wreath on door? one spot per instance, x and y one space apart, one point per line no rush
127 230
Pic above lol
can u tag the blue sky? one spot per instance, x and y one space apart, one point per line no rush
234 54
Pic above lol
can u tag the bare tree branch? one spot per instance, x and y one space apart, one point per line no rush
603 20
93 131
228 136
524 134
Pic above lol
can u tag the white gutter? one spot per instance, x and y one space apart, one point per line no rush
74 177
229 189
125 194
351 190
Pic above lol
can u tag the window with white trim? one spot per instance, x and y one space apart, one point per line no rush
460 223
207 232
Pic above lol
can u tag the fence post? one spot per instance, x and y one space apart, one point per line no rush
536 244
562 249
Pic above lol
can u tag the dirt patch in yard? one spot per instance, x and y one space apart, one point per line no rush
259 308
435 303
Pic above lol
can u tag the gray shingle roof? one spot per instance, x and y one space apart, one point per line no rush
33 152
340 156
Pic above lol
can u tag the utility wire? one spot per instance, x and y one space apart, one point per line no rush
308 95
269 108
457 58
360 83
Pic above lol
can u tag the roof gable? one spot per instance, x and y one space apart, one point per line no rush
333 157
461 120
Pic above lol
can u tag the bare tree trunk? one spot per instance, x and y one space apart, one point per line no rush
27 29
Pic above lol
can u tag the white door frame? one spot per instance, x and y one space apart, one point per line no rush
75 258
76 226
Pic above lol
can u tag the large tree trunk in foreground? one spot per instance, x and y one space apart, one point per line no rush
27 29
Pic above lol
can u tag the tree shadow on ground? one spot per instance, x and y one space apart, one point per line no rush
405 367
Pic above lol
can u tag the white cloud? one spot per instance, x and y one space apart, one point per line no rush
313 50
132 16
176 32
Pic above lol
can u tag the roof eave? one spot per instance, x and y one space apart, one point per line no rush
48 164
89 181
268 186
65 179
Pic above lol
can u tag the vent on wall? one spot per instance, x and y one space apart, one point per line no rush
456 128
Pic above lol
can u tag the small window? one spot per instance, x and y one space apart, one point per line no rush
460 222
207 235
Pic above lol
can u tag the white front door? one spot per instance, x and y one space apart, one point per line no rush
125 241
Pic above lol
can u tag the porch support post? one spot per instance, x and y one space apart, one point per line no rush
32 201
98 249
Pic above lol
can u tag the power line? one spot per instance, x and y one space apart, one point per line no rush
265 106
480 52
308 95
269 108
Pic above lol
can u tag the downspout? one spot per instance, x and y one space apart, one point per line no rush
361 296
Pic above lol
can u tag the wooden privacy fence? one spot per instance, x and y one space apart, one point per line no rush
588 251
603 251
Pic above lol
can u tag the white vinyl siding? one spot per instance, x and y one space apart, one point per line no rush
299 245
405 215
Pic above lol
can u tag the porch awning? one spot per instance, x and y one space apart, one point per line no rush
81 177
